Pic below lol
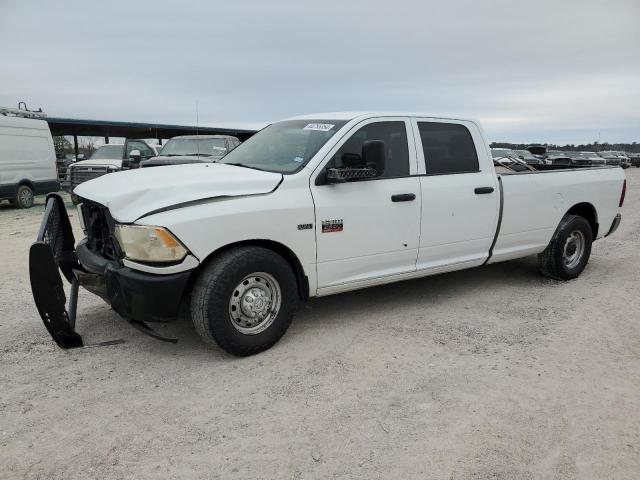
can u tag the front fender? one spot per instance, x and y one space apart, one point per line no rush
285 216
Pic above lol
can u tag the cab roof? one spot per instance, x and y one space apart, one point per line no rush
369 114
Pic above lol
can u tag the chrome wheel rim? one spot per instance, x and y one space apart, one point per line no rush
26 197
573 249
255 303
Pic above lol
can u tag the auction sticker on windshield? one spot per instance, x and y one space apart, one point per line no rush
320 127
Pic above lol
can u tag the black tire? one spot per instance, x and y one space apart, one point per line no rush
24 197
553 261
217 284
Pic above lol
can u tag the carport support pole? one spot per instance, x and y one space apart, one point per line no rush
75 145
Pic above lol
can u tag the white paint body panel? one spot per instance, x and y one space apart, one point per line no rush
380 237
447 227
26 151
273 216
534 204
133 193
457 226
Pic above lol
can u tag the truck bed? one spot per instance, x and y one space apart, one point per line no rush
528 198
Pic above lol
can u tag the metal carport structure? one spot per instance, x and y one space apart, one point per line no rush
105 128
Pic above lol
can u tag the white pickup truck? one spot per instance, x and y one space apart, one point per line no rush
312 206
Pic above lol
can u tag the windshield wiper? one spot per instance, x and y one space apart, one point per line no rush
243 165
187 155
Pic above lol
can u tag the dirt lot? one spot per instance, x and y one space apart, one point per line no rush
491 373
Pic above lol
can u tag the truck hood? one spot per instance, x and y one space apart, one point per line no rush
99 161
132 194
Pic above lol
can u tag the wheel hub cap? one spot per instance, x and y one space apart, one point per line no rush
255 303
573 249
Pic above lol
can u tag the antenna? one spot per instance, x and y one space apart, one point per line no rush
197 119
197 127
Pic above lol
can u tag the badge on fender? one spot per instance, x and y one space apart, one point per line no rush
330 226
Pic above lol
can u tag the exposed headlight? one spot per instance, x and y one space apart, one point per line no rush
149 244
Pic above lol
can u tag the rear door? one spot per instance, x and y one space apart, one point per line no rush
368 229
459 190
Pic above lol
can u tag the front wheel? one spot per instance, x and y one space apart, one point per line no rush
24 197
569 250
244 300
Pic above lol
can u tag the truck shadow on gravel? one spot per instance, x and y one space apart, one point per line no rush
469 286
428 291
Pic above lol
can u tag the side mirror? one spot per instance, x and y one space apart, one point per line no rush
374 155
134 156
370 164
133 160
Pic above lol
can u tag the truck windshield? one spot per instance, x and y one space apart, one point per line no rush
207 147
284 147
108 152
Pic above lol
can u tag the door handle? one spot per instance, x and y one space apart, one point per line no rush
483 190
403 197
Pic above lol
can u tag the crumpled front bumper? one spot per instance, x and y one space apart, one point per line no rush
138 297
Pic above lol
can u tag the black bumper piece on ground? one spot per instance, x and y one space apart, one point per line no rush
137 296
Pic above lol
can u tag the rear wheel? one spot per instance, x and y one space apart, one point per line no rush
24 197
569 250
244 300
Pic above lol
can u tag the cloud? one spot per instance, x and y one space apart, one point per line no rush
530 71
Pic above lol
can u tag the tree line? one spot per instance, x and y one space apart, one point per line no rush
589 147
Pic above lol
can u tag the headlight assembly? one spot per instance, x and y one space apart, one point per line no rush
149 244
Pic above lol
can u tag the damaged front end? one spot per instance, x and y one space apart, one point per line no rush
96 265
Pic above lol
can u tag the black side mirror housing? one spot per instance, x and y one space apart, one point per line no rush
355 167
374 155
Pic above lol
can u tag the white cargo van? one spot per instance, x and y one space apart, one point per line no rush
27 157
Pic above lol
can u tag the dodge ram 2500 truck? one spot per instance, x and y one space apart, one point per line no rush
311 206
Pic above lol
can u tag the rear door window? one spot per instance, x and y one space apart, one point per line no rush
448 148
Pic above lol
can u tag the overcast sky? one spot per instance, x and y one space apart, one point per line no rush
530 70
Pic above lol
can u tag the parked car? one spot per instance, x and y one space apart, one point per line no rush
615 158
27 157
498 153
578 159
312 206
625 161
508 159
634 158
193 149
108 158
555 157
593 158
529 157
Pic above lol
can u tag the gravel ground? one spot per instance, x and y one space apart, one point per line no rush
493 373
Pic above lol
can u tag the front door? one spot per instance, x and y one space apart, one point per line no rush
368 229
